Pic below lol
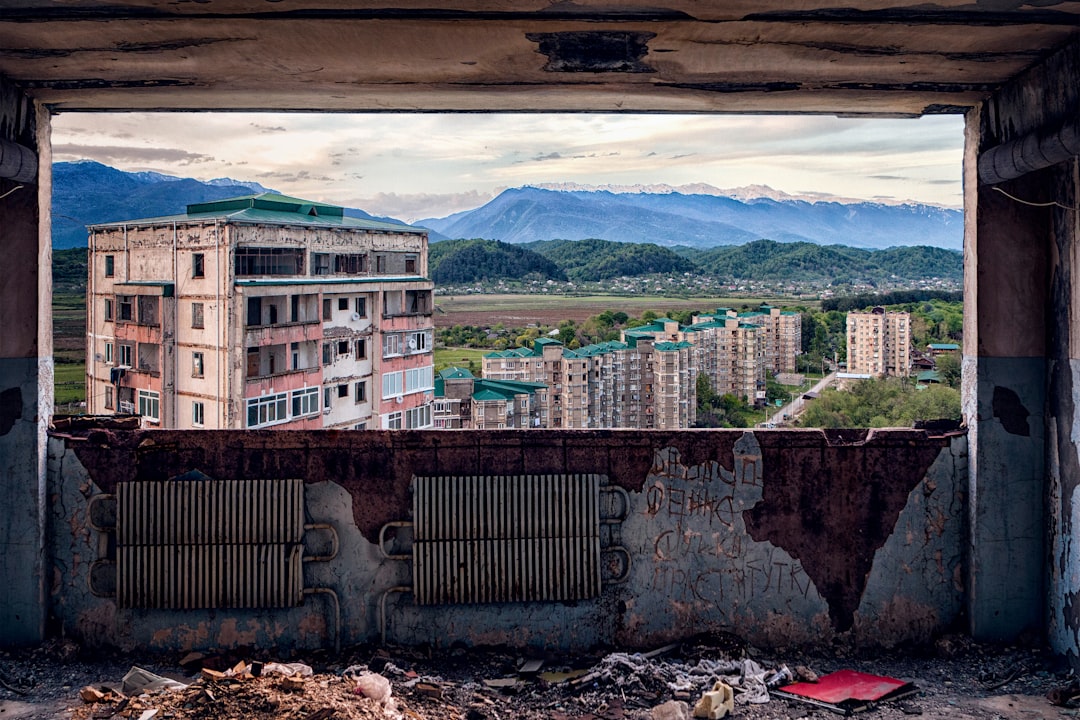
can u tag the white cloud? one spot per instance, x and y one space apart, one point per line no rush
401 164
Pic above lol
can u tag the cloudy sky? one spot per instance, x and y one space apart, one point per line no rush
413 166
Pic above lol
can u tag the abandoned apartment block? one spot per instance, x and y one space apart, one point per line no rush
260 312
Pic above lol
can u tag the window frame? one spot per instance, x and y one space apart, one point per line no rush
147 399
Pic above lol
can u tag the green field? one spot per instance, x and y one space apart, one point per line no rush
458 357
69 350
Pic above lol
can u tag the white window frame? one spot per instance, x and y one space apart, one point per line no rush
392 344
418 342
392 421
198 364
108 353
149 402
270 409
393 384
418 417
307 399
420 379
124 354
198 414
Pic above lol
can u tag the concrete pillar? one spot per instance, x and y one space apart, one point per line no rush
26 373
1020 369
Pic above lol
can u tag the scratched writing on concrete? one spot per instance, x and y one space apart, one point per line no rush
701 550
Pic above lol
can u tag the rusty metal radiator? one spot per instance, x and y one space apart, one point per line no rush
506 538
210 544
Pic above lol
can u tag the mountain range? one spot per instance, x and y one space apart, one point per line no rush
86 192
693 216
530 214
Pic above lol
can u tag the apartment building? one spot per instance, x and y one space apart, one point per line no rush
262 311
782 334
463 401
879 343
731 353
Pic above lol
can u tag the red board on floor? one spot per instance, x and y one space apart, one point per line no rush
844 685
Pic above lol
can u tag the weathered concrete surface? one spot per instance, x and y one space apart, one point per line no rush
867 57
712 531
26 389
1021 348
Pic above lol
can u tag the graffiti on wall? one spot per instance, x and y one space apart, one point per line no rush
702 560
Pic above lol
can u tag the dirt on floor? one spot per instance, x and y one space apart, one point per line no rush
955 678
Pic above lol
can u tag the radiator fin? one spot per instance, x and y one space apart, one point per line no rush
484 539
210 544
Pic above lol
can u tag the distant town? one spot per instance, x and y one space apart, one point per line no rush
266 311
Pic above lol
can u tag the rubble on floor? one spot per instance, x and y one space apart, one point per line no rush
711 676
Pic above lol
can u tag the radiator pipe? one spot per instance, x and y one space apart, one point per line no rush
335 543
18 162
337 612
382 609
382 540
1034 151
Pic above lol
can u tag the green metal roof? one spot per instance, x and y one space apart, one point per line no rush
488 394
512 353
672 346
455 373
944 346
269 209
929 376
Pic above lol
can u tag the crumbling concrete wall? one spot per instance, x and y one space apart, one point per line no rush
26 365
1023 347
787 538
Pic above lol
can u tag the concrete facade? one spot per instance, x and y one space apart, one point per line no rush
879 343
702 531
257 312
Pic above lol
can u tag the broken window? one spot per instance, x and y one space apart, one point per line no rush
327 309
343 347
149 357
110 266
342 391
361 349
148 310
327 353
197 364
380 263
417 302
108 309
198 269
320 264
350 264
410 264
361 391
108 397
125 308
254 311
268 261
343 303
360 306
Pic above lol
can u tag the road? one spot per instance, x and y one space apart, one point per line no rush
785 414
